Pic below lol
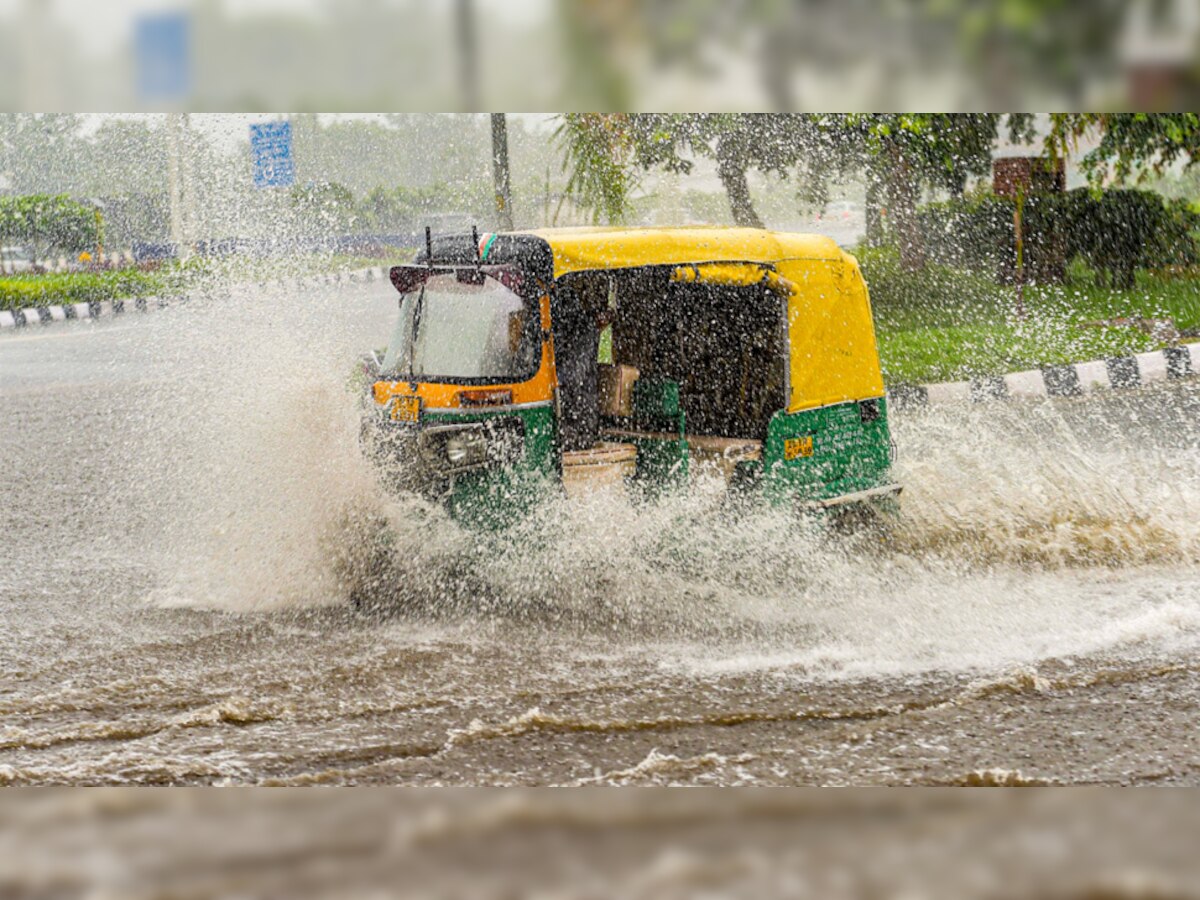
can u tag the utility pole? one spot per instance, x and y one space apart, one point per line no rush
1019 237
181 193
174 180
187 185
39 81
500 177
468 54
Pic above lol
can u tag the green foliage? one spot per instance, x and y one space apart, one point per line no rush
132 218
332 208
37 149
598 152
992 48
48 224
403 208
971 232
413 149
81 287
900 296
329 207
605 151
941 149
923 355
1034 45
1125 230
1115 232
1141 144
945 324
905 151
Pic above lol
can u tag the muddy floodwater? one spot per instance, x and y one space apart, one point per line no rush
183 505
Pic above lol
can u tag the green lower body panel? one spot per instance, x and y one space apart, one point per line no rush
828 452
662 465
498 495
663 459
808 456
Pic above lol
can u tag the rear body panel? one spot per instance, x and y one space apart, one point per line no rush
826 452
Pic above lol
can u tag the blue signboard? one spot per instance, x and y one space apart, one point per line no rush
162 55
271 147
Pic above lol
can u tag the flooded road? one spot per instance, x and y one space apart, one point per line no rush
183 509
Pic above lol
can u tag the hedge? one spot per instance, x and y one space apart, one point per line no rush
1117 233
81 287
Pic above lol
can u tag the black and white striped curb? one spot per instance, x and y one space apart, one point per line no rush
1058 381
35 315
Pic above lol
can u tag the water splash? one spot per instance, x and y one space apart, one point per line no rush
1029 531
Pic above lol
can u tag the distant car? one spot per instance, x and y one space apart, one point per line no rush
842 209
15 260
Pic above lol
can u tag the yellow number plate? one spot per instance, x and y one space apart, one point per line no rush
794 448
406 409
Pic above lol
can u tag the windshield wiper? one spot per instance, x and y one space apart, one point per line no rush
412 334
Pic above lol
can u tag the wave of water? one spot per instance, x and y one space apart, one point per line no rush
1029 531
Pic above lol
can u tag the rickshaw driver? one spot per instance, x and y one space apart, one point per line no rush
581 315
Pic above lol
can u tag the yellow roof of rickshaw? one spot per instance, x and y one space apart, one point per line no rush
586 249
833 355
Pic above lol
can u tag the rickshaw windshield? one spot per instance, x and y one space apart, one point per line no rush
453 330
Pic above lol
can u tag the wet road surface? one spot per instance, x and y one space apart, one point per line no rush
184 508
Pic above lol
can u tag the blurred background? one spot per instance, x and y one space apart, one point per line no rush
775 55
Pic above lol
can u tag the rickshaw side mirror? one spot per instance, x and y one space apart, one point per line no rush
406 279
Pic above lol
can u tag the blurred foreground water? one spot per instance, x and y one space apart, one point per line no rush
653 843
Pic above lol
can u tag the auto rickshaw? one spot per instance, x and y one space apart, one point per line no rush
599 358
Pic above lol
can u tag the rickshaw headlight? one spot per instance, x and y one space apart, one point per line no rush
454 448
461 447
458 449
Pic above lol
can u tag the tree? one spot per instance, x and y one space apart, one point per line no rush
1126 229
900 154
905 152
996 51
39 150
47 223
603 151
468 53
1015 48
501 177
123 156
1144 144
598 153
328 207
403 208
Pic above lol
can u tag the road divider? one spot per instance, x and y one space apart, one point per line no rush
1116 373
44 315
